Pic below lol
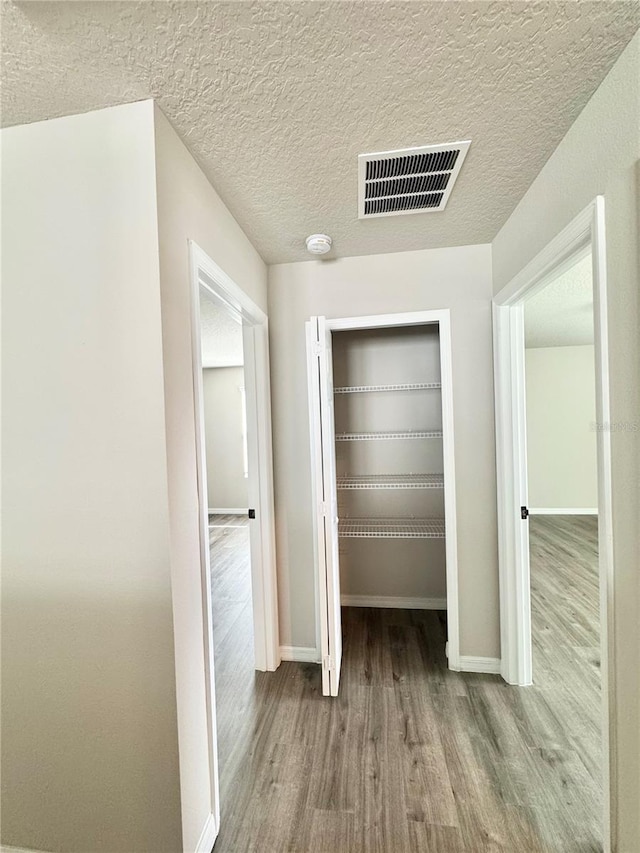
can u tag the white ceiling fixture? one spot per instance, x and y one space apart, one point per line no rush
318 244
409 180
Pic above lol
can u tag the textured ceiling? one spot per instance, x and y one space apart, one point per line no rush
220 336
561 315
276 99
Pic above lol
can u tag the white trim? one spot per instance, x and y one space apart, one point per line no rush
5 849
228 511
394 602
222 289
208 836
383 321
302 654
205 563
468 663
572 510
450 512
313 398
585 233
206 275
512 490
563 251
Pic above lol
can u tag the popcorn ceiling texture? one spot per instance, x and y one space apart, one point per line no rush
275 100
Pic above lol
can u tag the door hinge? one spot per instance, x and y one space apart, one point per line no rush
323 508
524 513
318 347
446 650
327 663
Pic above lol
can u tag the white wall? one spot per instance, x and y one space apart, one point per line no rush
226 483
600 155
189 209
89 747
459 279
561 434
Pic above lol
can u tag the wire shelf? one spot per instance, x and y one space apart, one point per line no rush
391 528
377 436
361 389
392 481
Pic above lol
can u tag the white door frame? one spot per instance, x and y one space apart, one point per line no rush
586 231
206 276
418 318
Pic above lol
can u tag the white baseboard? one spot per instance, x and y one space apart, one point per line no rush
474 664
208 835
588 510
302 654
393 601
227 511
5 849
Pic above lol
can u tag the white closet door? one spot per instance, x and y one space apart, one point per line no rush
320 370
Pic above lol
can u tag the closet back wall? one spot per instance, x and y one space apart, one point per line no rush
380 567
456 278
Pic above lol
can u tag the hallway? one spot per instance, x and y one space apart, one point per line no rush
412 756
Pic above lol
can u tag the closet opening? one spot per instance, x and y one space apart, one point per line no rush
381 417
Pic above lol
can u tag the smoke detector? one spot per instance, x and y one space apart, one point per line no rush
318 244
410 180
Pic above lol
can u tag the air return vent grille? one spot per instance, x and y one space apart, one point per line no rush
413 180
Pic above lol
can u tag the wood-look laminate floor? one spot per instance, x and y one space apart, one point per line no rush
410 756
232 618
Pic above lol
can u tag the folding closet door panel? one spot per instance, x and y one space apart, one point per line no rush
333 661
322 434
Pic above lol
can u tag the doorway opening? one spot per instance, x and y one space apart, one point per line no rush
563 532
381 418
230 358
227 468
554 505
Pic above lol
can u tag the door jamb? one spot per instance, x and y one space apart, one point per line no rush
586 231
208 276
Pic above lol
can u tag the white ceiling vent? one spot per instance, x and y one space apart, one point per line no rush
412 180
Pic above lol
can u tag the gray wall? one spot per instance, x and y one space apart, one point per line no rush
599 155
561 434
89 746
104 681
459 279
226 483
190 209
